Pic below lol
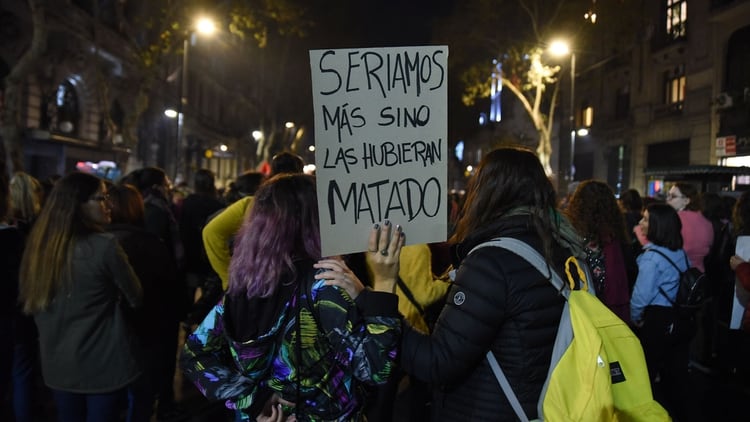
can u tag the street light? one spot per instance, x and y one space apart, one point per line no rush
203 26
562 48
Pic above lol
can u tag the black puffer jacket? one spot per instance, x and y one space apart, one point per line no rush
498 302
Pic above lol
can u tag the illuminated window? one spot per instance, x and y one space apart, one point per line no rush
60 111
674 87
587 116
677 18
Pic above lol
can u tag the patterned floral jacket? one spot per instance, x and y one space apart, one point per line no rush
343 344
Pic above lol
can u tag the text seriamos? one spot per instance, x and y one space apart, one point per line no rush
384 72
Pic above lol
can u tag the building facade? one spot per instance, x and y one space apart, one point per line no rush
88 104
679 98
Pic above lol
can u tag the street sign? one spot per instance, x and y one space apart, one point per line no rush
726 146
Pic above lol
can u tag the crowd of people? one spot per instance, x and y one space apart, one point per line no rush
102 276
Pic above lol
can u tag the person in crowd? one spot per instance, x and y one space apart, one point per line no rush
664 338
286 162
155 188
594 212
631 205
697 232
296 340
722 248
26 195
637 230
498 301
11 248
741 341
74 279
735 346
221 229
421 296
218 239
245 185
719 274
152 263
739 209
196 209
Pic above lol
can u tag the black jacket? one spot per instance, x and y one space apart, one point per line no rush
196 209
163 302
498 302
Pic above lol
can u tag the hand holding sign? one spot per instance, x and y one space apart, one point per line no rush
383 254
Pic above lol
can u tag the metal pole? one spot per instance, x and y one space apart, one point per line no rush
572 115
180 147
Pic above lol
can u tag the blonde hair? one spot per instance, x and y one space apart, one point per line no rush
25 196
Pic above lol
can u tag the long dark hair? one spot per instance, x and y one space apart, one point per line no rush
49 248
507 178
282 227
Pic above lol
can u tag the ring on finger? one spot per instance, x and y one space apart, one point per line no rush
384 252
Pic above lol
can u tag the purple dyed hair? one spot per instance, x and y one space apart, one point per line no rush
282 228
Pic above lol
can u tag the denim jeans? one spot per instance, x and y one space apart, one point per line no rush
75 407
25 364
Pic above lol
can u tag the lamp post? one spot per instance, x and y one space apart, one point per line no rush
561 48
203 26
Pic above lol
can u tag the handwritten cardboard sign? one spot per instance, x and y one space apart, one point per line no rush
381 143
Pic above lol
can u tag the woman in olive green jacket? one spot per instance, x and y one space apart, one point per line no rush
74 279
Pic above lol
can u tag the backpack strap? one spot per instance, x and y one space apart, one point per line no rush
530 255
507 389
679 272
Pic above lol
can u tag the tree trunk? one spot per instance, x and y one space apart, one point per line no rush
544 148
11 123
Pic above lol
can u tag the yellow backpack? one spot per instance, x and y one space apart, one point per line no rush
598 371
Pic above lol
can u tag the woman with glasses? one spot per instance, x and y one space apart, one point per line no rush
697 231
74 279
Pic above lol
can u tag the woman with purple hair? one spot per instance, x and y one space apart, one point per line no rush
283 341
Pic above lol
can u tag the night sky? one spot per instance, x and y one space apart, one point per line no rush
398 23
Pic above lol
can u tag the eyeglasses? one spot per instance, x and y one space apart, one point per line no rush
100 198
672 196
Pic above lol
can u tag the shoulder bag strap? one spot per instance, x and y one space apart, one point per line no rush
409 295
679 273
